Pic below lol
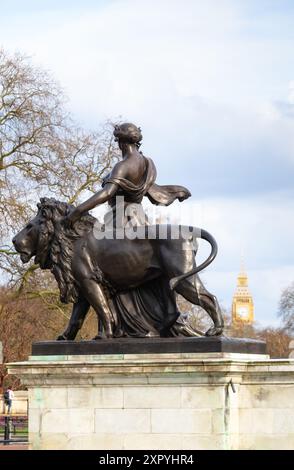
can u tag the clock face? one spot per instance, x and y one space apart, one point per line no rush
243 312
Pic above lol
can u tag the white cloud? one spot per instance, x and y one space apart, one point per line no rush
291 92
201 86
126 54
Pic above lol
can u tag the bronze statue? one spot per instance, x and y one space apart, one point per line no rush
130 283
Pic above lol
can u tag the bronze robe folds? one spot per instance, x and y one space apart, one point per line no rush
148 310
158 195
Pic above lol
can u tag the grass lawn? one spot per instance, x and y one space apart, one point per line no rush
18 430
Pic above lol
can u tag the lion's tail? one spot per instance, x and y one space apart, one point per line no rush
209 238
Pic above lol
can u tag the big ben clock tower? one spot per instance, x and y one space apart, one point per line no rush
242 308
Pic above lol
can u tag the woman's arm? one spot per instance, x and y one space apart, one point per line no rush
109 190
102 196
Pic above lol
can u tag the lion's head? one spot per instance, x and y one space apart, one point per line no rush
46 238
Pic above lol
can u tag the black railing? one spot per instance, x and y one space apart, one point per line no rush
14 429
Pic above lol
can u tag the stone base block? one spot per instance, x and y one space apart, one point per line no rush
159 401
205 344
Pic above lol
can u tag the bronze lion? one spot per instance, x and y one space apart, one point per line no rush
91 271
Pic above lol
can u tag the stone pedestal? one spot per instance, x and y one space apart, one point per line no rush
159 401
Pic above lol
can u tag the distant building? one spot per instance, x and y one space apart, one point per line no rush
242 306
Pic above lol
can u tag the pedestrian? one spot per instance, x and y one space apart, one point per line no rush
8 397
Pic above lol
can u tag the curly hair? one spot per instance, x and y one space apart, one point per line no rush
128 133
55 244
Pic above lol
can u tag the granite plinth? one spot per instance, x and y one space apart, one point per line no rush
159 401
219 344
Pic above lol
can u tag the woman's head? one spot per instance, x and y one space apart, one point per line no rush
128 133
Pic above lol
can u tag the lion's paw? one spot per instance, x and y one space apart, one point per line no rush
214 331
61 338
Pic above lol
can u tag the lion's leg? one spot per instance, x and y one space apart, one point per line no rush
168 297
194 291
79 311
96 298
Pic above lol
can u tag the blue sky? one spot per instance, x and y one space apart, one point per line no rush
212 86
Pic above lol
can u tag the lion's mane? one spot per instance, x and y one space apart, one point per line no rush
55 244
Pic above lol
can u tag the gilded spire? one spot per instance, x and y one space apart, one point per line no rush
242 308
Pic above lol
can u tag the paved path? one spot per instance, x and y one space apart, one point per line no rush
14 447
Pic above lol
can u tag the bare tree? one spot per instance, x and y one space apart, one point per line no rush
43 152
196 316
286 308
32 317
277 341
